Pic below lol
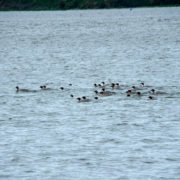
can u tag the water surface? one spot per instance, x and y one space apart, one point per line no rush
49 135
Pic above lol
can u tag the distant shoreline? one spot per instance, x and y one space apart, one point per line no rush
63 5
55 9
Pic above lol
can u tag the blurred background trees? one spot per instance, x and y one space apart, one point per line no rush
80 4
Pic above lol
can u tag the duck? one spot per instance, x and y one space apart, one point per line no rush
100 86
42 87
62 88
117 86
24 90
110 92
78 99
131 91
139 93
45 88
106 93
133 87
83 99
103 83
96 92
128 91
112 85
142 84
95 85
153 91
150 97
136 88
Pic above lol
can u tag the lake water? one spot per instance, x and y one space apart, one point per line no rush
49 135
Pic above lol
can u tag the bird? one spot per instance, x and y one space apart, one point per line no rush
150 97
45 88
153 91
24 90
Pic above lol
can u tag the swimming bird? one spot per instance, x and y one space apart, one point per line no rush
24 90
45 88
128 91
83 99
117 86
103 83
112 85
153 91
142 84
106 93
99 85
135 88
150 97
42 87
78 99
96 92
110 92
95 85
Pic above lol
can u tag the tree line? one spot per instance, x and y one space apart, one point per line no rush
80 4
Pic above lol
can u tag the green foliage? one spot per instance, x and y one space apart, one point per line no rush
79 4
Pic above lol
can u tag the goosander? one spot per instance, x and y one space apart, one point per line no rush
150 97
96 91
45 88
106 93
135 88
24 90
128 91
112 85
157 92
84 99
142 84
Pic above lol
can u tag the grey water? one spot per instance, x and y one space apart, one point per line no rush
49 135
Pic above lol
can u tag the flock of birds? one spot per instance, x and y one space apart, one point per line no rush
109 89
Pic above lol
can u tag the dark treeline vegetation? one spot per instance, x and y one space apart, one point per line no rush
80 4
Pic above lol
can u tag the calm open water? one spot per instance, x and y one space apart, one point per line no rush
49 135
